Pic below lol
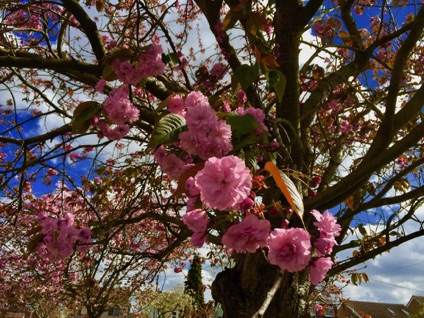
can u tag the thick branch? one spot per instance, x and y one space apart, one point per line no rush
88 26
23 59
308 12
411 108
348 185
346 6
386 131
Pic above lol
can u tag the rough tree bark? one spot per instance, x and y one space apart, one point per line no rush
242 289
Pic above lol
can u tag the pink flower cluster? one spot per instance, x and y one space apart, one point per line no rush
119 108
197 221
329 229
289 249
149 64
248 235
208 80
224 183
61 236
169 163
207 136
120 112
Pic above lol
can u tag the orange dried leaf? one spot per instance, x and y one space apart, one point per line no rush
270 61
257 54
344 35
287 187
349 202
184 177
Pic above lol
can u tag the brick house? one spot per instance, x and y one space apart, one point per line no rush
415 303
16 313
366 309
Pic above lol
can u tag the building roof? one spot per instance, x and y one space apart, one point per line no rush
359 309
420 299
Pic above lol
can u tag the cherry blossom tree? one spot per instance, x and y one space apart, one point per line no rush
286 132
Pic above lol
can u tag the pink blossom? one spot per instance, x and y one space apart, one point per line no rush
206 136
247 236
68 220
196 220
176 105
324 245
191 203
319 309
247 204
100 86
172 166
241 96
198 239
74 156
68 235
201 118
125 72
345 126
359 10
116 133
150 62
224 182
196 98
319 28
218 71
217 144
119 108
189 142
381 55
159 153
319 269
290 249
49 225
191 188
52 172
226 107
327 224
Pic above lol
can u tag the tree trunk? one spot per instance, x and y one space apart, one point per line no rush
242 290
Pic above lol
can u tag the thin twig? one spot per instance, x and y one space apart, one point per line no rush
269 296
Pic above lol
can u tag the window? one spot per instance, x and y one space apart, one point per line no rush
175 314
390 311
406 312
329 312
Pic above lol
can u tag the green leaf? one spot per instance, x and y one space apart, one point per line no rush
241 125
170 58
246 75
241 128
354 279
277 81
251 159
82 115
362 230
167 130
